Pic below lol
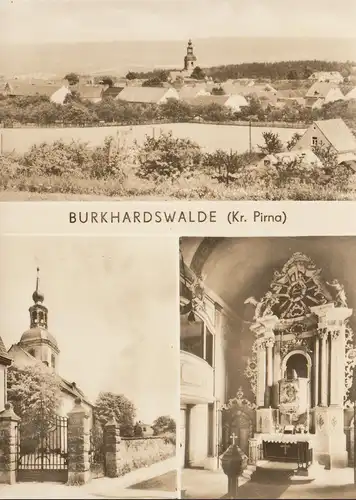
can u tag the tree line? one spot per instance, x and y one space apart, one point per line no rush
281 70
40 111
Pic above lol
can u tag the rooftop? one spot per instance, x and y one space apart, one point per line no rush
338 134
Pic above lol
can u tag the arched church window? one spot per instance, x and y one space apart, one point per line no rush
34 317
53 361
41 316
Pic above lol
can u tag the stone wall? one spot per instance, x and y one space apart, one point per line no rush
135 453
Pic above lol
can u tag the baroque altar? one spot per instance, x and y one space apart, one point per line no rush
302 371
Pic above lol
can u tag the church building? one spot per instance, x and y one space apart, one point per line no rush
267 350
37 344
190 63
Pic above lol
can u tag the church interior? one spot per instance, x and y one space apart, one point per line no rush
267 351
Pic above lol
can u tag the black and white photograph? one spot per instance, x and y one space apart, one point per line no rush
89 362
268 385
177 99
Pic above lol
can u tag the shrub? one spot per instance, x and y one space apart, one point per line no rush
168 157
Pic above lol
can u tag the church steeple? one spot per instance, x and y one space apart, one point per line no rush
190 59
37 340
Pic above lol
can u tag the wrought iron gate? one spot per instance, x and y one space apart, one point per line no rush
42 451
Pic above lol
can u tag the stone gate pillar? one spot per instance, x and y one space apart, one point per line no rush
8 444
78 444
112 442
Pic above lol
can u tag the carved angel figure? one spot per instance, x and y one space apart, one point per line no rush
340 299
256 304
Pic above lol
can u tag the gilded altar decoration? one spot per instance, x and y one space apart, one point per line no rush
293 291
349 363
194 302
289 393
239 401
340 299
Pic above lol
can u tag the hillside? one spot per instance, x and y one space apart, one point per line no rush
119 57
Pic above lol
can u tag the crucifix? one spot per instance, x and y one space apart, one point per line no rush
233 437
285 446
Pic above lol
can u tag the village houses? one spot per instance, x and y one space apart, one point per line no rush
332 133
321 93
232 102
153 95
305 157
327 76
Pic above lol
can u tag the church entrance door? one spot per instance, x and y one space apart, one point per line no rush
42 451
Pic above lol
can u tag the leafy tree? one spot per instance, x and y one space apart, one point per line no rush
72 78
131 75
284 173
307 72
214 112
78 114
292 75
108 161
225 166
107 80
109 404
293 141
272 144
175 110
163 425
327 155
167 157
35 394
138 430
198 73
58 159
218 91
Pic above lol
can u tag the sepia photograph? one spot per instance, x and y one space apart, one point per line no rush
177 99
268 378
89 368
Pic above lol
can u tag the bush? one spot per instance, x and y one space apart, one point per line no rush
168 158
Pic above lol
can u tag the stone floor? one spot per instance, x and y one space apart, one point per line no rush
327 484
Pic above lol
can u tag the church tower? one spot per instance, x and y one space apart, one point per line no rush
37 341
190 59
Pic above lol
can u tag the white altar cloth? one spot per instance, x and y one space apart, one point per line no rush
285 438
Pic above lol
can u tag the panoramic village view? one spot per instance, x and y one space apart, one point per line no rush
179 129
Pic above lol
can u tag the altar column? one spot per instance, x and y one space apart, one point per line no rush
323 334
330 438
269 346
336 329
316 370
261 374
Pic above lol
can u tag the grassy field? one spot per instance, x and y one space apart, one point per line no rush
209 136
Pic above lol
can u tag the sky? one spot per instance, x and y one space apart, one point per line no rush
45 21
112 308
